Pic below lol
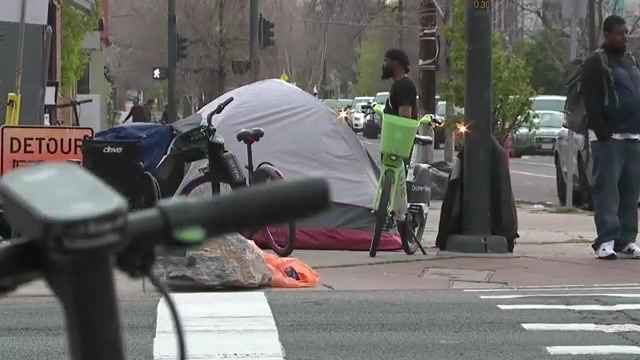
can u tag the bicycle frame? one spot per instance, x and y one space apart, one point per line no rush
223 165
398 205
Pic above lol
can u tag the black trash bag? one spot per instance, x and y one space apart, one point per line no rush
504 215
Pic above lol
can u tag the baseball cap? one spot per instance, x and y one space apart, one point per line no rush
399 56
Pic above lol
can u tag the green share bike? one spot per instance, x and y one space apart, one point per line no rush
403 197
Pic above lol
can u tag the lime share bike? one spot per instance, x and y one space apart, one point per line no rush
74 238
223 168
392 204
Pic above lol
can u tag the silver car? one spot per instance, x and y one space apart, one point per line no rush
540 138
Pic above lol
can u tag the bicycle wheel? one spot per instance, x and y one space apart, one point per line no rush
281 237
197 187
414 225
381 212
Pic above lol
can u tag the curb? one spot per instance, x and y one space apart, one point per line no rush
444 255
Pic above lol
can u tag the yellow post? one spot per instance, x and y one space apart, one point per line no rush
13 109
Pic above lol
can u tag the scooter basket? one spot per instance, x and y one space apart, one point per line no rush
398 135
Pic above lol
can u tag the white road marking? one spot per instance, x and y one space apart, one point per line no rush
618 307
532 163
532 174
557 295
236 325
594 350
368 142
632 286
583 327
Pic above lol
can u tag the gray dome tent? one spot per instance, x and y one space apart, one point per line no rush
304 138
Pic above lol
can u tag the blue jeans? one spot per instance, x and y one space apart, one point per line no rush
616 174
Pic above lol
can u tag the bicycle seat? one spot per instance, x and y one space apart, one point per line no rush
424 140
250 136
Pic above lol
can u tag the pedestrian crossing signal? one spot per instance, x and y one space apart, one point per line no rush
159 73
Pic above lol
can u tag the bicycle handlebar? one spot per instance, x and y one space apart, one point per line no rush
218 109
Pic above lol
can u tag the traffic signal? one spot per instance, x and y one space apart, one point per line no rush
181 47
159 73
267 33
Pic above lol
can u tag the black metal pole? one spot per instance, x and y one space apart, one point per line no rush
476 200
428 66
172 61
254 13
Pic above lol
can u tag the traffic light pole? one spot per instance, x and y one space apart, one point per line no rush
172 61
253 39
478 151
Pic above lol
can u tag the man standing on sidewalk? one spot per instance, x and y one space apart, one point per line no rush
402 99
611 94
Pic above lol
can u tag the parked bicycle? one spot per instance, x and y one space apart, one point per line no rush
74 236
223 169
396 204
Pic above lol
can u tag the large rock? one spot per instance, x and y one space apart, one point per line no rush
224 262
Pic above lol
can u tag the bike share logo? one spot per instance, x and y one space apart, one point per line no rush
418 188
112 150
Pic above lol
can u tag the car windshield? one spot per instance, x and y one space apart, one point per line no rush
548 104
358 107
381 99
551 120
333 104
344 102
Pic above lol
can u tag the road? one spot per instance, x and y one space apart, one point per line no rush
500 324
532 177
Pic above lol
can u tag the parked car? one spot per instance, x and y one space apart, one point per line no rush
372 124
356 119
582 166
358 100
540 137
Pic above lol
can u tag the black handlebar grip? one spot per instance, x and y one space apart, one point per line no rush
225 103
248 208
218 109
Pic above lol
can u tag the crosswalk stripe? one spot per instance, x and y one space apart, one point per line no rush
519 296
594 350
616 328
562 288
219 326
618 307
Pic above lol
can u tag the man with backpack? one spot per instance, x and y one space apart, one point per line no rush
610 92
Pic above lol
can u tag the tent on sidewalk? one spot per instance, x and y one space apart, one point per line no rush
303 138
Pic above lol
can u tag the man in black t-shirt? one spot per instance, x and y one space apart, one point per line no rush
402 95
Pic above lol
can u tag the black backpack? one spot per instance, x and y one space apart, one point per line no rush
575 113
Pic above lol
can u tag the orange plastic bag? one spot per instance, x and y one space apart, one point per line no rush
279 267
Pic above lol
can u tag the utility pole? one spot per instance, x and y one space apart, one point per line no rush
172 61
254 11
449 135
478 160
428 66
400 21
477 106
323 85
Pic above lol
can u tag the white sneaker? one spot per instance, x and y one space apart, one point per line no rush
605 251
631 251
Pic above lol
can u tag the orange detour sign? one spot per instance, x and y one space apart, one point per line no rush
25 145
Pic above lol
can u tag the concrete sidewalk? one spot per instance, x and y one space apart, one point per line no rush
554 249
